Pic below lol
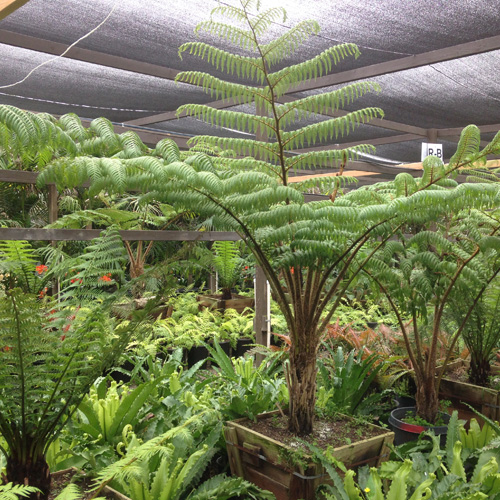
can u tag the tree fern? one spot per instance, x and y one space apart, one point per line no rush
310 253
51 354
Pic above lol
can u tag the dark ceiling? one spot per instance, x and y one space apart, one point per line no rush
437 63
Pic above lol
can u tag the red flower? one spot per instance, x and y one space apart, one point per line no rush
41 268
66 328
106 277
43 292
63 336
7 348
76 280
292 270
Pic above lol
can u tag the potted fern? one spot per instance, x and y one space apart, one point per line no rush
226 263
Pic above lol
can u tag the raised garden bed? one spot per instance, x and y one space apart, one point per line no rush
287 470
459 392
237 302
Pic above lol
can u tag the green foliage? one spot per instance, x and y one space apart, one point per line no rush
435 269
18 265
11 491
169 466
481 332
246 390
423 471
51 355
310 253
345 382
226 261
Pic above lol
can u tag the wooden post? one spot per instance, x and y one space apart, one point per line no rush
432 135
262 320
213 283
53 214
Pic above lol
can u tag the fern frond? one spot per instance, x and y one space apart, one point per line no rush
243 67
467 148
230 119
244 147
281 81
72 125
287 44
331 157
326 102
103 129
168 150
19 122
329 129
237 36
220 89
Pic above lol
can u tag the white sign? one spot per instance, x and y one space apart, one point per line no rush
429 149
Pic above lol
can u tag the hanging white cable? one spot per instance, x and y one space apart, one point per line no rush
65 52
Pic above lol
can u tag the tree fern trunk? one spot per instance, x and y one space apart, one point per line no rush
32 472
302 386
427 398
479 371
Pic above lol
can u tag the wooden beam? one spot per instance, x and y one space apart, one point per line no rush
403 63
151 137
85 55
36 234
172 115
18 176
9 6
455 132
374 142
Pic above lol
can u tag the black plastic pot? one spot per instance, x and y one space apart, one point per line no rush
226 347
195 354
404 432
404 401
243 345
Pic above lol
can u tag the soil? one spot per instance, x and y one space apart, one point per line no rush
61 479
335 432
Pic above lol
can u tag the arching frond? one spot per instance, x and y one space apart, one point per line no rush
230 119
232 64
285 45
313 68
72 125
327 157
263 150
329 129
220 89
467 149
168 150
237 36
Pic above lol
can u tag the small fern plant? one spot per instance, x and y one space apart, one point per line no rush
226 262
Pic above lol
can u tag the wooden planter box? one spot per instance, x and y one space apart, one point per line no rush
260 459
238 302
483 399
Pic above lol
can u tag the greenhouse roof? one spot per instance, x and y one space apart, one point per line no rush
437 63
